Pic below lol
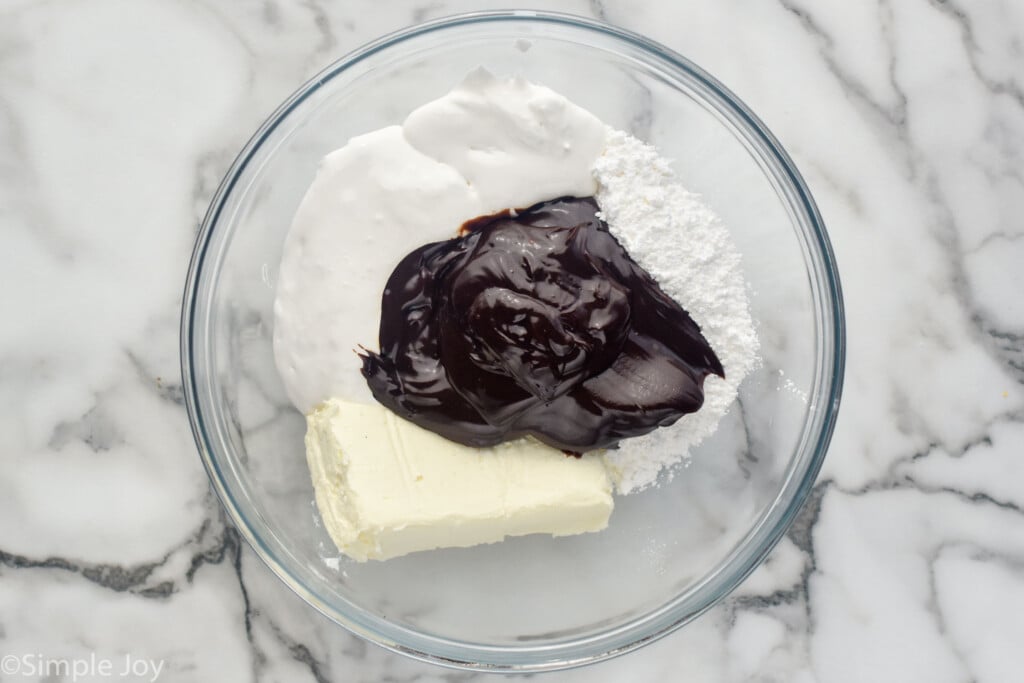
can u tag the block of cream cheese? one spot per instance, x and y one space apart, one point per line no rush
386 487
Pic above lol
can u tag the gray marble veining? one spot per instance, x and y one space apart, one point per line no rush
117 121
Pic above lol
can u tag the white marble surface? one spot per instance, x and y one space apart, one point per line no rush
117 120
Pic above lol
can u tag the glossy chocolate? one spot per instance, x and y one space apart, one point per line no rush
536 322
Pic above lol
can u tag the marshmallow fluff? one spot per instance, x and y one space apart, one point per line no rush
489 145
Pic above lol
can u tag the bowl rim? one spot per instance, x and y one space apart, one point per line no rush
652 625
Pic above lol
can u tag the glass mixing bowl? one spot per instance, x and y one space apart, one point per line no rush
670 552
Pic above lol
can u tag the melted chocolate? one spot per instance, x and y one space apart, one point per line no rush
536 323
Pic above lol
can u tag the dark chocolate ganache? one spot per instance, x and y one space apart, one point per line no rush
536 322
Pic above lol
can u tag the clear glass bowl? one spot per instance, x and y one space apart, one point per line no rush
671 552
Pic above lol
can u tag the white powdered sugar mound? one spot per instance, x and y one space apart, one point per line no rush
676 238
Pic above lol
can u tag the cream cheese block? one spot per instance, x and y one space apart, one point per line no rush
386 487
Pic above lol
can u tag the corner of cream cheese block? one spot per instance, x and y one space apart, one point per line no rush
386 487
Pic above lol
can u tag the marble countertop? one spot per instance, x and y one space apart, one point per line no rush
118 119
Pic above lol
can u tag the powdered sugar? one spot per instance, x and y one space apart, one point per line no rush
687 249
